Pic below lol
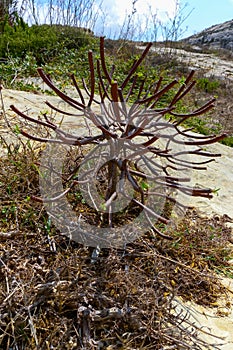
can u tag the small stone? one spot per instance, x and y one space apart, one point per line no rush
230 225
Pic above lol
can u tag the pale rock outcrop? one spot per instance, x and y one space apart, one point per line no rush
219 36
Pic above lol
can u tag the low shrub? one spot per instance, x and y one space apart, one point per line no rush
41 41
208 85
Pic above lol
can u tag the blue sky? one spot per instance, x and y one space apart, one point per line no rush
207 13
204 13
113 13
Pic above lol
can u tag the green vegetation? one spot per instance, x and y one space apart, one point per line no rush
43 42
24 48
208 85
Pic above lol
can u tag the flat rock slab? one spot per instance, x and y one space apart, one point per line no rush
216 323
34 105
218 176
209 63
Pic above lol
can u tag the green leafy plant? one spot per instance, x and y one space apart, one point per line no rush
208 85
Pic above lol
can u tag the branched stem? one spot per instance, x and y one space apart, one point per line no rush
129 137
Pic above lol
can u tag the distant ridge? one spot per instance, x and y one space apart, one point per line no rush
219 36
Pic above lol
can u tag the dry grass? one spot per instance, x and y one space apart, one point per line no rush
54 295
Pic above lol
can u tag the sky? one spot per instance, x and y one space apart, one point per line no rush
200 14
112 14
206 13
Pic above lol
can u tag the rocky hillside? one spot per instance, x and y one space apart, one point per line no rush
217 36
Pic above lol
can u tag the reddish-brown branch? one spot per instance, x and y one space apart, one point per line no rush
92 78
40 139
103 62
66 98
61 110
181 93
78 89
158 94
136 65
37 121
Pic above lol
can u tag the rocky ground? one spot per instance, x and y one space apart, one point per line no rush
209 63
219 36
216 67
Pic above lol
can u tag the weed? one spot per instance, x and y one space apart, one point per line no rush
208 85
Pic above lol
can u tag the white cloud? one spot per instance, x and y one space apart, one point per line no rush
119 8
147 14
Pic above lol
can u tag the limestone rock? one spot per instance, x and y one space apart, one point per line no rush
219 36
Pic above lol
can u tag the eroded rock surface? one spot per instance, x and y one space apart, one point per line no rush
217 36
